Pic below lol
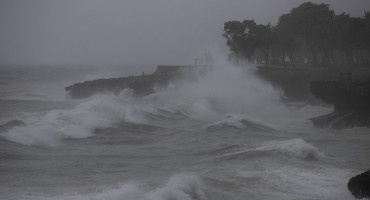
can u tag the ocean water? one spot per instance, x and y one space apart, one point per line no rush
227 135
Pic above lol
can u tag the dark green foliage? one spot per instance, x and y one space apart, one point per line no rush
239 39
313 23
286 43
244 38
310 30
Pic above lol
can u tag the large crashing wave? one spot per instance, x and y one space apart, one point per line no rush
80 122
229 91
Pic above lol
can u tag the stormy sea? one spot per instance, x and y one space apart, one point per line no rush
227 135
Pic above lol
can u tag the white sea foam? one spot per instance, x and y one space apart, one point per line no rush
225 89
287 182
295 147
80 122
179 187
228 89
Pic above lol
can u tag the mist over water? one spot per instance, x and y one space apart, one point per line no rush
226 135
227 94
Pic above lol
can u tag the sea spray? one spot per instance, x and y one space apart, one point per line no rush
167 137
236 90
225 90
295 147
178 187
80 122
290 182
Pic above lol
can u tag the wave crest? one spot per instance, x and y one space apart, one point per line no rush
242 122
295 147
80 122
179 187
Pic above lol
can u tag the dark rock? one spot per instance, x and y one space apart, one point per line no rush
351 103
360 185
141 85
295 83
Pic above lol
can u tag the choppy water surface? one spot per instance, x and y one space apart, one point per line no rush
226 136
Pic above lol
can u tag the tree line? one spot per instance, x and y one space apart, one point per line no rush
309 34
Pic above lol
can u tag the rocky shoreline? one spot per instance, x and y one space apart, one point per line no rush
351 100
140 85
294 82
349 96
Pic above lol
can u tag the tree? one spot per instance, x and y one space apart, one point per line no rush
309 30
235 33
244 38
263 39
312 22
352 38
285 40
367 35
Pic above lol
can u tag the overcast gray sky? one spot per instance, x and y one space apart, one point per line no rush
130 31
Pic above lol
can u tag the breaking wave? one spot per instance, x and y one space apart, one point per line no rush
253 104
179 187
11 124
297 148
242 122
99 111
297 183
